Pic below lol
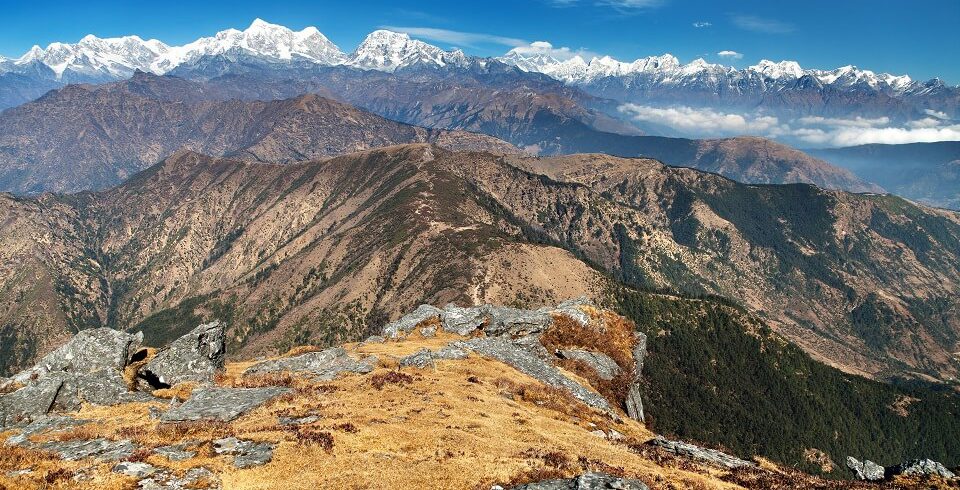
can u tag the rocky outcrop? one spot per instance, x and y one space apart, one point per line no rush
633 404
865 470
86 369
100 449
88 351
245 453
711 456
586 481
223 404
323 365
605 367
408 322
425 358
529 363
869 471
920 467
196 356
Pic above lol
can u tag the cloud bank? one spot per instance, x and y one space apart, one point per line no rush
459 38
810 131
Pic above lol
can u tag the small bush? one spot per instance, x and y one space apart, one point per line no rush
312 437
380 380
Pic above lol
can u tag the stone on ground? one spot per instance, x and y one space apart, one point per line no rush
324 365
691 451
223 404
196 356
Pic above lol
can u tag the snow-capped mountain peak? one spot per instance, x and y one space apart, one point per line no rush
385 50
777 71
97 58
270 42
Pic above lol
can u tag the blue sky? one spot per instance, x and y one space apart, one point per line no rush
917 38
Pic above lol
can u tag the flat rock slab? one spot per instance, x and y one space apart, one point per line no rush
135 469
324 365
691 451
192 479
101 449
529 363
224 404
246 454
586 481
177 452
49 423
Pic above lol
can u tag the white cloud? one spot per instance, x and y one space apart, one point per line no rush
936 114
545 48
733 55
700 24
804 131
858 122
459 38
760 24
708 121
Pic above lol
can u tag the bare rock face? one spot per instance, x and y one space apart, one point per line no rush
407 323
586 481
921 467
88 351
605 367
691 451
634 404
865 470
197 356
86 369
532 365
323 365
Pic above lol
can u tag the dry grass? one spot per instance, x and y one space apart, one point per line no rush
130 372
180 391
467 424
609 334
379 380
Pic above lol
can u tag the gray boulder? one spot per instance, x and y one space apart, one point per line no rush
196 356
921 467
176 452
324 365
30 402
691 451
88 351
605 367
224 404
587 481
571 308
425 358
408 322
865 470
422 359
246 454
532 365
135 469
516 322
462 321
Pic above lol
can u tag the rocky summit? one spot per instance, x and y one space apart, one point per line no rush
473 397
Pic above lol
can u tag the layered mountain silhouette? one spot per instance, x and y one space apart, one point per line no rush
329 247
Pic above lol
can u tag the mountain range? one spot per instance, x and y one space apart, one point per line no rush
318 251
781 88
84 137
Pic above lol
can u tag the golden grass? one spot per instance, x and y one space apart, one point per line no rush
179 391
464 424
